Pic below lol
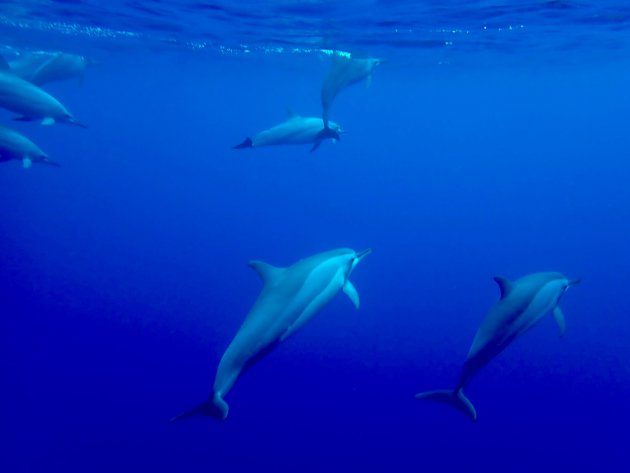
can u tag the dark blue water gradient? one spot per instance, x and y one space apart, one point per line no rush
124 272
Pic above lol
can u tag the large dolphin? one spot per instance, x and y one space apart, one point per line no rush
290 298
522 304
14 145
344 71
295 130
40 67
31 102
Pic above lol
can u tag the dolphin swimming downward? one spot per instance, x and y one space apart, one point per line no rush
522 304
295 130
29 101
344 71
290 298
14 145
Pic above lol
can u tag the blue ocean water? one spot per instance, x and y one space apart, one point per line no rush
492 140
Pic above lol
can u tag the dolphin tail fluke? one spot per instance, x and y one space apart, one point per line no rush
452 397
215 407
247 143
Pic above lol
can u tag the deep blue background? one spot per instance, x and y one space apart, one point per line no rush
124 272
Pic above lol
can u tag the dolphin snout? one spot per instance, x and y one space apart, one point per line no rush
363 253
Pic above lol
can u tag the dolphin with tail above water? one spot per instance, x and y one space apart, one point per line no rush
295 130
523 303
290 298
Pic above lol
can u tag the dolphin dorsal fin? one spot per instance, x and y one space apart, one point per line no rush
291 113
268 273
505 285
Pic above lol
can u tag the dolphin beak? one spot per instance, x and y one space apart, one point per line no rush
573 282
363 253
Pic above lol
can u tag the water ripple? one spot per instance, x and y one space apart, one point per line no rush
462 25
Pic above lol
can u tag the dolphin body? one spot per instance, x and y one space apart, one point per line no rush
14 145
295 130
343 72
41 67
290 298
31 102
523 303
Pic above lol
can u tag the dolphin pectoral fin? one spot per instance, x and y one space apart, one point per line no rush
368 81
215 407
247 143
316 145
268 273
454 398
559 318
350 291
26 163
48 121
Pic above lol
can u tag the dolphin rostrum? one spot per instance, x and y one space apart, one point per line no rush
31 102
522 304
41 67
295 130
343 72
14 145
290 298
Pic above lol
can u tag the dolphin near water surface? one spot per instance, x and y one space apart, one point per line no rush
522 304
344 71
290 298
41 67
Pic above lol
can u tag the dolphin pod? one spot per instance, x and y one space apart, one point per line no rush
42 67
290 297
14 145
295 130
523 303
